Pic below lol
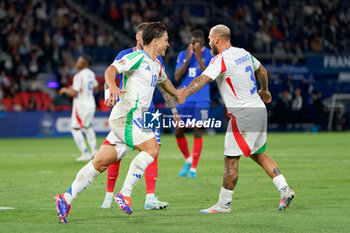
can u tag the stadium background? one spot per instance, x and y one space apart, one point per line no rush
303 44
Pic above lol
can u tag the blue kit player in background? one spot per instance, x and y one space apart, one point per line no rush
151 173
190 64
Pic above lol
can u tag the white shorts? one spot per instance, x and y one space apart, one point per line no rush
82 116
246 135
129 130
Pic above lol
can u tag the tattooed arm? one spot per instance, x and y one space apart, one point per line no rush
194 86
264 90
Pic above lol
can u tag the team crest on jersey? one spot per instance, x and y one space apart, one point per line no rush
122 62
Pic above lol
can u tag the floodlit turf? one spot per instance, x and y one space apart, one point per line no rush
317 167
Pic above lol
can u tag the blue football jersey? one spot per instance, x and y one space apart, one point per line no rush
193 71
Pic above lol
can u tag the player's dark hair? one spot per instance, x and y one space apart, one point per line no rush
87 59
153 30
198 34
141 27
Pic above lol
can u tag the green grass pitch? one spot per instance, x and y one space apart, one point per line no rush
317 167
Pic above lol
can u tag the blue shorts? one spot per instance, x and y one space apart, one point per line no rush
194 110
157 134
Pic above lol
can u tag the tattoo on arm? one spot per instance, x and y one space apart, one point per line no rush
198 84
276 171
262 76
168 98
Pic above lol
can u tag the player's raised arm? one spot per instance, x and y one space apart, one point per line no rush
194 86
264 90
181 68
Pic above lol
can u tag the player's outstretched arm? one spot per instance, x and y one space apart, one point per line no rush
168 87
171 103
114 91
264 90
194 86
68 91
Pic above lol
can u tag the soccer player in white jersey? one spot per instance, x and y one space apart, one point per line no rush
151 172
141 72
84 107
233 69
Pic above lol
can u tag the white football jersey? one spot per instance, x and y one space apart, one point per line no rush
84 83
233 69
140 77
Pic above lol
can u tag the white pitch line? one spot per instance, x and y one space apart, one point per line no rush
6 208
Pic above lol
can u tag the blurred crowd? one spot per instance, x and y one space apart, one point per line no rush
47 36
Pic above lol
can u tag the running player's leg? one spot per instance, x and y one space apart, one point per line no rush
89 131
113 169
80 142
196 151
91 139
106 155
230 179
148 152
76 125
112 176
151 175
272 170
232 153
182 143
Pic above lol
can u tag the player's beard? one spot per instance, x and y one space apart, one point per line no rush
214 50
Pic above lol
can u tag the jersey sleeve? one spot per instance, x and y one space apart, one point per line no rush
76 83
180 60
215 67
162 75
129 62
256 62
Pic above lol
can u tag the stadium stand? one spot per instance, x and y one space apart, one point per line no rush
39 42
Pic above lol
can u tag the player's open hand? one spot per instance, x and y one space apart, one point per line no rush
189 52
181 95
62 91
265 95
114 96
198 50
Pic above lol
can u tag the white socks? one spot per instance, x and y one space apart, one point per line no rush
137 168
84 178
225 197
189 159
280 183
79 140
91 138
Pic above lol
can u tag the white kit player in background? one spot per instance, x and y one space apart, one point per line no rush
84 107
233 69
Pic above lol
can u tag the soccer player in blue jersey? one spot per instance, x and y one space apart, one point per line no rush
151 172
190 64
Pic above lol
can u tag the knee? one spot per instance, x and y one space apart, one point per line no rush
179 133
197 133
99 165
154 152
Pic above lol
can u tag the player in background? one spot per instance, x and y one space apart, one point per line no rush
84 107
151 172
190 64
141 72
233 69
